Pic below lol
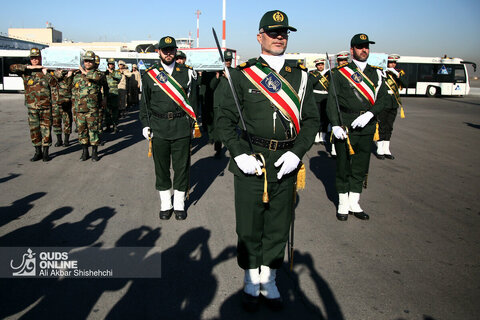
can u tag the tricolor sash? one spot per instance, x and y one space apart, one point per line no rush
392 85
277 90
361 82
173 89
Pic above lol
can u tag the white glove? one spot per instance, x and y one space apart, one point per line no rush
248 164
147 133
395 72
290 162
339 133
362 120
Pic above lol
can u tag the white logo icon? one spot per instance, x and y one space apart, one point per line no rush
28 265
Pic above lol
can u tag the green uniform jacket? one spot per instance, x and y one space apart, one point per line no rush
156 101
258 113
398 82
86 91
38 86
64 86
320 84
352 106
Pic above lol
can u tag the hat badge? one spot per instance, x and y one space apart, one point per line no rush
363 37
168 40
278 16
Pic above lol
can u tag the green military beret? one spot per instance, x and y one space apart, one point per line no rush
358 39
35 52
111 60
89 55
275 19
167 42
181 54
228 55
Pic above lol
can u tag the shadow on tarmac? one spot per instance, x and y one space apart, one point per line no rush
476 126
296 304
9 177
324 169
18 208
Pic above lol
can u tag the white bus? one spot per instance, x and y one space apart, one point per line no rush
10 81
433 76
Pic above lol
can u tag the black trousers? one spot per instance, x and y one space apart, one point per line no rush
386 118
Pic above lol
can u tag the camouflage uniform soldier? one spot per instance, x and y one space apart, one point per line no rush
102 96
38 85
86 92
62 106
113 78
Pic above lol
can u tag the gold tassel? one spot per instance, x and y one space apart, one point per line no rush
149 147
376 136
301 178
265 198
350 149
197 133
402 114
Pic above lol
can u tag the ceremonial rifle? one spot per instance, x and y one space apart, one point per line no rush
349 146
148 122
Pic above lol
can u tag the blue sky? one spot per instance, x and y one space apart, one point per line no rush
422 27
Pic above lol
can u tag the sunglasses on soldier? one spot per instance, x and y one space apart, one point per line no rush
274 34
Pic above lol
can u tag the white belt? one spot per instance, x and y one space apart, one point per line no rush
320 91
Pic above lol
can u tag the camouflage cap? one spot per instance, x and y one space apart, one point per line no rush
134 65
111 60
167 42
275 19
228 55
35 52
358 39
181 54
97 59
89 56
121 62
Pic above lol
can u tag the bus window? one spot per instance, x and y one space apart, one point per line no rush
460 74
410 73
8 61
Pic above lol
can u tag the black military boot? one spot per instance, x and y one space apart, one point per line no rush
38 154
66 142
45 154
95 157
85 155
59 140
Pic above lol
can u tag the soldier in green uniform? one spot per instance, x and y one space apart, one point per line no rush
282 119
395 82
320 90
102 101
180 57
38 100
218 84
167 112
62 107
361 94
86 88
113 79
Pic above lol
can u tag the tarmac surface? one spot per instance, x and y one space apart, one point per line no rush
418 257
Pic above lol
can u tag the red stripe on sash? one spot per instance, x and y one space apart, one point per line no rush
359 86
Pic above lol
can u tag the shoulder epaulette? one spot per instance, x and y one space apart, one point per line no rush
247 64
152 67
187 66
340 67
375 67
301 66
313 73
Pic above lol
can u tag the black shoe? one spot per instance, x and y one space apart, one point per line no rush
274 304
38 154
85 154
165 215
59 140
45 156
389 156
115 130
108 129
342 217
180 214
380 156
95 157
361 215
250 303
66 142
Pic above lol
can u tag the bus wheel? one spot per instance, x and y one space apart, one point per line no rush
431 91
